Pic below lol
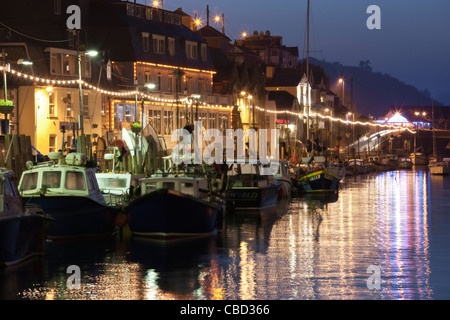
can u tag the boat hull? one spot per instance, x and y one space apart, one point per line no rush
405 165
251 198
439 169
319 181
21 236
168 213
76 216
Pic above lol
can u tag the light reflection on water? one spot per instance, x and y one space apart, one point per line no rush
309 249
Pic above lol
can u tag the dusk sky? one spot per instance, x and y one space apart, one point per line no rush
413 44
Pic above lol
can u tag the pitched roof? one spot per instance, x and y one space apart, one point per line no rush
210 32
121 34
283 99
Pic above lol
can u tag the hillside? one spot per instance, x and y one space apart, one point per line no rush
373 92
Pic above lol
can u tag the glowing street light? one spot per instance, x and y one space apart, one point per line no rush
341 80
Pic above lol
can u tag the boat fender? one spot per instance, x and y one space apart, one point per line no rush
120 219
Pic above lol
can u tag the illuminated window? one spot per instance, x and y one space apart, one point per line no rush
65 62
149 14
51 104
168 122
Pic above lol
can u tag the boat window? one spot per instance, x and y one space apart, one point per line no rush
51 179
112 182
187 188
29 181
75 181
168 185
150 187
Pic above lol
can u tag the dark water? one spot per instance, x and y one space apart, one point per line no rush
395 222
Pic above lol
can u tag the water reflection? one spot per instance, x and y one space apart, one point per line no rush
310 248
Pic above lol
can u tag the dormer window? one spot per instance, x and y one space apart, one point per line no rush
191 49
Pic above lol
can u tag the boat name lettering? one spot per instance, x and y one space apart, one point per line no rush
242 194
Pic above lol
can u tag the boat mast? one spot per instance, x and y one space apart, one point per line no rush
307 75
432 129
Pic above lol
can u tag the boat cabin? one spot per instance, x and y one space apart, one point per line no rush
117 183
356 162
51 179
192 186
250 175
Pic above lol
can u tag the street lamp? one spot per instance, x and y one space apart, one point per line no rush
250 97
341 80
91 53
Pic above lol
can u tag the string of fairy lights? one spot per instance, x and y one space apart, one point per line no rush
186 100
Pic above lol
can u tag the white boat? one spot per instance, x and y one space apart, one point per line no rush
439 167
68 191
117 187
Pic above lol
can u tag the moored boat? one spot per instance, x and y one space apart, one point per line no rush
337 168
118 188
418 158
22 227
356 166
283 175
439 167
174 206
68 191
250 188
314 177
390 161
404 163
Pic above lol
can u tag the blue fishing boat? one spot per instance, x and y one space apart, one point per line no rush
314 177
250 189
22 227
67 190
174 206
